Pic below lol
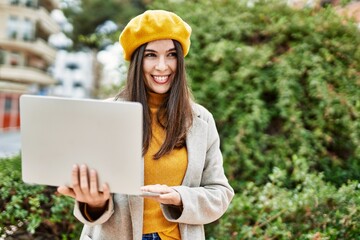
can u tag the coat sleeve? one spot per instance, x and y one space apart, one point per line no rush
208 201
79 213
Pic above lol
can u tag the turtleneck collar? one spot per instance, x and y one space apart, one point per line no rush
155 99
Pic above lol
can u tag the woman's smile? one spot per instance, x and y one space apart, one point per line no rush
161 79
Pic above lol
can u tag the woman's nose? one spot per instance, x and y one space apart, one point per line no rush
161 65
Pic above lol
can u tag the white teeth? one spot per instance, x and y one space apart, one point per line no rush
161 79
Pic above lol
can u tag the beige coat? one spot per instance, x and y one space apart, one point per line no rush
205 192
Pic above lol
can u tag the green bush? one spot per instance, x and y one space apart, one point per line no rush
280 82
312 208
33 212
283 86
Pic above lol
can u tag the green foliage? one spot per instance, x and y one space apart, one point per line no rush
32 211
280 82
283 86
312 208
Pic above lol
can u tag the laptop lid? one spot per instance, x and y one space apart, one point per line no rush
57 133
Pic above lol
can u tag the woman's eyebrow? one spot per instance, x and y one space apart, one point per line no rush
151 50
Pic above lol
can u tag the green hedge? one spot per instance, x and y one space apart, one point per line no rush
312 210
33 212
280 82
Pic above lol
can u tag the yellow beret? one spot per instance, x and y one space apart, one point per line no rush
154 25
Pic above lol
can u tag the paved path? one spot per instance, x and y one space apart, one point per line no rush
10 143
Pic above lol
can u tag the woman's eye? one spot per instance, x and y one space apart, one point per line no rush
150 55
173 54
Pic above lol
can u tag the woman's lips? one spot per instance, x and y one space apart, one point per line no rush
161 79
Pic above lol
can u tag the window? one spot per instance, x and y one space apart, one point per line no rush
14 2
12 27
77 84
15 59
30 3
72 66
2 57
28 30
59 82
20 29
8 104
27 3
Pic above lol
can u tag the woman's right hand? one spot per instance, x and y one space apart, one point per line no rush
85 188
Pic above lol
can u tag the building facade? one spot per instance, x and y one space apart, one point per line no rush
25 55
73 72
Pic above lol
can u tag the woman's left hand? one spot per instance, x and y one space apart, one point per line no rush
167 194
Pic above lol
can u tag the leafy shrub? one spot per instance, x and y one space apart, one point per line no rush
314 209
32 212
279 81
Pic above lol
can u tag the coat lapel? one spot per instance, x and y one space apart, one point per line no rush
196 146
136 205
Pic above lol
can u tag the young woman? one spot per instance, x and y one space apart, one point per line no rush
181 146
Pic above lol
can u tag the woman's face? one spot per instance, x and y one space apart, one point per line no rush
159 65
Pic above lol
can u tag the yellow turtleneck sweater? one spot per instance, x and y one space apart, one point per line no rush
169 169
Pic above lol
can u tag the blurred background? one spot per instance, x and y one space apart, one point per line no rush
281 77
58 48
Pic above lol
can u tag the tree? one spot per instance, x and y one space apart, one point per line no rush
87 15
88 18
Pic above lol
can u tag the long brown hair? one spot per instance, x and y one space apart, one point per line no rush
175 114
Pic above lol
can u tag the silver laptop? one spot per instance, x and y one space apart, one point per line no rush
57 133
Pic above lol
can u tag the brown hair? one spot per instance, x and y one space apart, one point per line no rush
175 114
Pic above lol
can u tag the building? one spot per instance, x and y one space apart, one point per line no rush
74 74
25 55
